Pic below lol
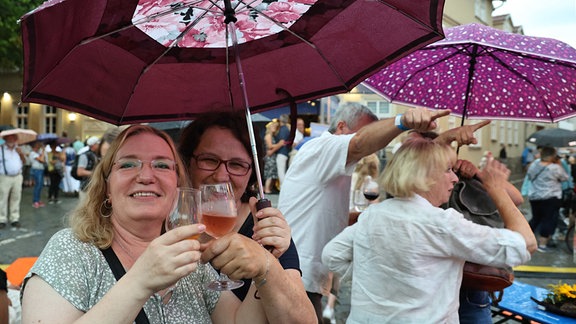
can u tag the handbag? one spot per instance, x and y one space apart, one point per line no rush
471 199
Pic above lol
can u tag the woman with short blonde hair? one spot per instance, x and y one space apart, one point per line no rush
406 254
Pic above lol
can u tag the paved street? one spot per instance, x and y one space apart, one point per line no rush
38 225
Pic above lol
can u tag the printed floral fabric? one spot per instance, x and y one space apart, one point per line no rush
201 23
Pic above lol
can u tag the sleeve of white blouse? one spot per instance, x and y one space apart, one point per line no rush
337 254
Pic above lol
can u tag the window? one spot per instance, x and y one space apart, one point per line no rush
380 108
493 132
50 119
481 10
22 116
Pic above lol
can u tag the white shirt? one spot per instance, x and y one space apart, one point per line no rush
408 259
10 159
314 199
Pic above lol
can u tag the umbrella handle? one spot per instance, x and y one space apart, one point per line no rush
263 203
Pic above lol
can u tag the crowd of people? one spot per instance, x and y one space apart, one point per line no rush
400 259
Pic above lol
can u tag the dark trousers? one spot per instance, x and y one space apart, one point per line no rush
545 215
54 189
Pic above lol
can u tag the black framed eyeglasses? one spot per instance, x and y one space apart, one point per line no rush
209 162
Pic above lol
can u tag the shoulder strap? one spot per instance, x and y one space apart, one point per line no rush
118 271
537 174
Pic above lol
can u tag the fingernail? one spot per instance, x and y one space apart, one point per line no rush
201 227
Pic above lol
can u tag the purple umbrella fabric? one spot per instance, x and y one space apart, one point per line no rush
485 73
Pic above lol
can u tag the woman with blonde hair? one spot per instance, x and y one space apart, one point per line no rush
118 228
406 254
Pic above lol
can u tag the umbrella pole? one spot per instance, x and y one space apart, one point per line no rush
471 70
230 22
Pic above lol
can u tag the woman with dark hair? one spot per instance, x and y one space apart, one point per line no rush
216 148
118 226
545 195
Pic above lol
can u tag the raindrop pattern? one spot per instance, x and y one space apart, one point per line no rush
514 76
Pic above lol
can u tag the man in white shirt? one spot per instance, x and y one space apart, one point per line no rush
12 160
315 193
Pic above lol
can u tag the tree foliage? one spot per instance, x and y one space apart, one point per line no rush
10 36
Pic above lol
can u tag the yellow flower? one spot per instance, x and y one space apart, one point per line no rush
560 293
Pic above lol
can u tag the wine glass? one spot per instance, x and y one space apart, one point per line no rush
370 188
186 209
359 200
219 215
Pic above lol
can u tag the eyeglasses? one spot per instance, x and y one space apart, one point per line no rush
134 165
208 162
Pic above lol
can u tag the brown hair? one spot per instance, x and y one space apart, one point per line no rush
236 123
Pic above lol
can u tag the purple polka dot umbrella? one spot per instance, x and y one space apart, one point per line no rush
484 73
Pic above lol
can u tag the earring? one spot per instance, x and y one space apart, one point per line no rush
106 207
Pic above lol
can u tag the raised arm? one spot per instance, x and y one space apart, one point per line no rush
464 135
468 170
377 135
494 178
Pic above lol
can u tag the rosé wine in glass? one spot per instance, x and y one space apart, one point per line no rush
219 215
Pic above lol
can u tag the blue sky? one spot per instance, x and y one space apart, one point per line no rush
550 18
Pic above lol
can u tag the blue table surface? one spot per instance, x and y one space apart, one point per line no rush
517 300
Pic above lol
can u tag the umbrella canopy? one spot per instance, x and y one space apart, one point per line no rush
554 137
481 72
24 135
129 61
47 137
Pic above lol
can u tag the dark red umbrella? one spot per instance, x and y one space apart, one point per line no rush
128 61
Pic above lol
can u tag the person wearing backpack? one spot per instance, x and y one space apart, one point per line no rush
86 163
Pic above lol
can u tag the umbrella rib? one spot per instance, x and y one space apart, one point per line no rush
305 41
413 75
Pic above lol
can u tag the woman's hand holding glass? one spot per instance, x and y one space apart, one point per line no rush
168 258
271 229
219 214
186 211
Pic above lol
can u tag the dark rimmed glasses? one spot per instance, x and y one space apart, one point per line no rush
209 162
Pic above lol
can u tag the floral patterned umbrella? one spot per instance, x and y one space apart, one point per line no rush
481 72
129 61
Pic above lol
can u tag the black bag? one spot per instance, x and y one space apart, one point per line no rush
471 199
91 163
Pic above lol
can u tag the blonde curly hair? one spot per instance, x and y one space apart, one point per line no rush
86 220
